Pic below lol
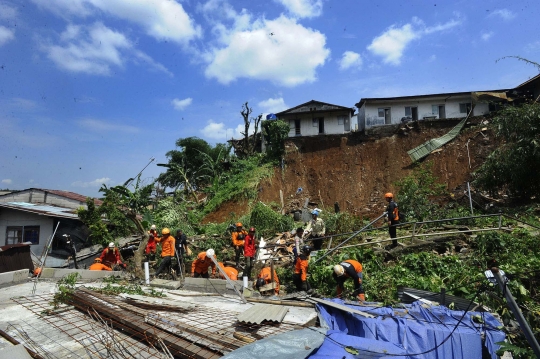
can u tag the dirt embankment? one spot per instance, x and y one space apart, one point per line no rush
355 170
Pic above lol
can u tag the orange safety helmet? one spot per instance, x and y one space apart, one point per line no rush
238 224
97 259
165 231
389 195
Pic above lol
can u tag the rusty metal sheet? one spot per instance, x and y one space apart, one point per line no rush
263 312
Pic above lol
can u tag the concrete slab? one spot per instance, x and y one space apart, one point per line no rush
167 284
14 276
85 274
15 352
205 285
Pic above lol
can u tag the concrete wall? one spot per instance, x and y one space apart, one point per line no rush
10 217
370 112
309 127
36 196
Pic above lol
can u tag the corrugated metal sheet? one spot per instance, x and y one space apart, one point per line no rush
44 210
263 312
407 295
426 148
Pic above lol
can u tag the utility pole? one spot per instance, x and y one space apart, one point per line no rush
515 309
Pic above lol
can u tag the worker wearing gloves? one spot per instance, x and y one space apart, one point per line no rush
265 277
151 246
231 272
167 249
111 256
250 247
393 217
199 267
97 265
298 243
349 269
315 229
238 237
301 269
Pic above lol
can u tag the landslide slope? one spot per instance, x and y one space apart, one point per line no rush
356 169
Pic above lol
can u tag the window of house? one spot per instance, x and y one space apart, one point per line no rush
341 120
464 107
408 111
315 122
435 109
381 112
20 234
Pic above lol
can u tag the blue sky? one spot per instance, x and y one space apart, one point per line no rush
90 90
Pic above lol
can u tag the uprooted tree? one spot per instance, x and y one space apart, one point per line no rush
123 209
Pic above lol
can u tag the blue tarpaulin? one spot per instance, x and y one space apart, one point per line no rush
414 331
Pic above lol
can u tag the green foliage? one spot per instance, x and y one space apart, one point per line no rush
517 352
242 182
92 218
342 222
173 214
65 288
510 166
416 192
275 132
268 222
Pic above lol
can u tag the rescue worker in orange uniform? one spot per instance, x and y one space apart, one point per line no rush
301 270
199 267
167 249
250 249
238 237
349 269
265 277
97 265
392 212
231 272
151 246
111 256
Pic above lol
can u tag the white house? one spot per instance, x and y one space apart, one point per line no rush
317 118
394 110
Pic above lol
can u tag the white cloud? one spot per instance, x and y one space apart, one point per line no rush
267 50
102 126
533 47
181 104
161 19
486 35
6 35
95 183
272 105
303 8
7 181
95 50
391 44
504 14
7 12
350 59
432 58
218 131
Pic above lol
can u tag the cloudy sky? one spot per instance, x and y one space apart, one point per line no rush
90 90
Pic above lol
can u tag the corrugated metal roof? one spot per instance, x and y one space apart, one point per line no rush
41 209
426 148
407 295
263 312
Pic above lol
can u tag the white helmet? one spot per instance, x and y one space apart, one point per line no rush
153 226
111 245
210 253
339 270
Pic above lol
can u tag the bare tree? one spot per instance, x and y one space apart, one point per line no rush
249 146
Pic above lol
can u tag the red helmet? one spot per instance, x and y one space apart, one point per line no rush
252 229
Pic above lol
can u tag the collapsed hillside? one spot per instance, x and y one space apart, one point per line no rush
356 169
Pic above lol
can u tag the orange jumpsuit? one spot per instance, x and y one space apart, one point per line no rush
110 256
267 276
353 269
231 272
167 246
200 266
99 266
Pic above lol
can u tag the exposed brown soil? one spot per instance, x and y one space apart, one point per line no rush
356 170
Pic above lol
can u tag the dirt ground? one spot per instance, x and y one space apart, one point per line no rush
355 170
